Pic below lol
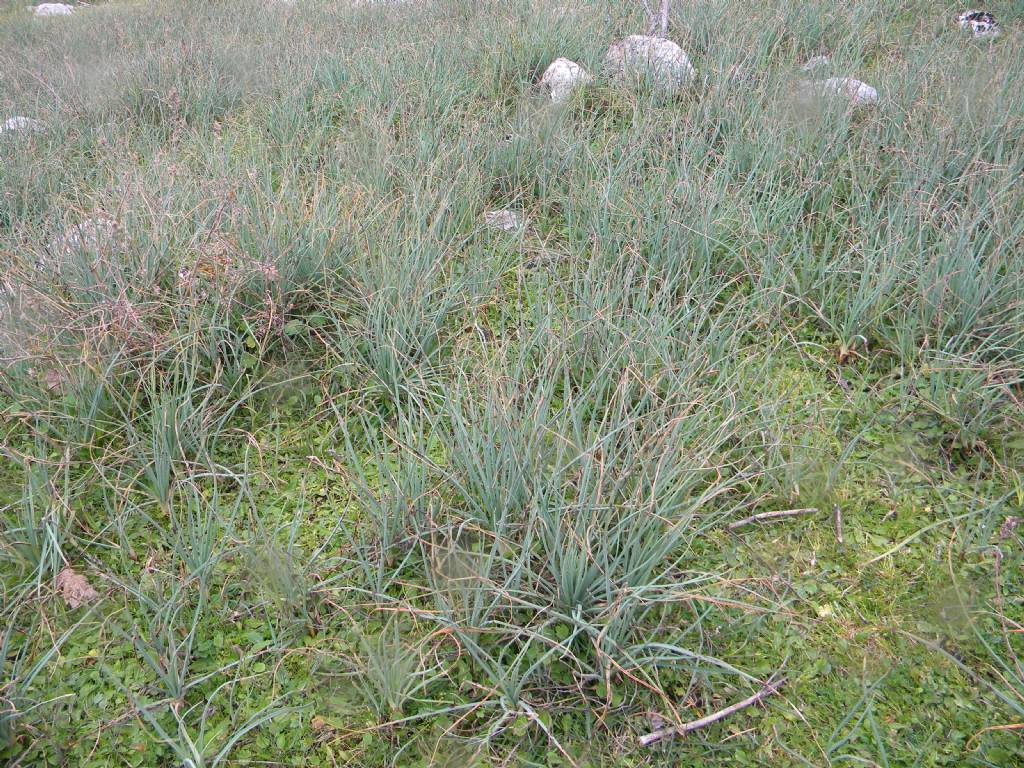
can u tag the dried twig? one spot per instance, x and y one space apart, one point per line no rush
762 516
837 516
663 18
659 20
769 689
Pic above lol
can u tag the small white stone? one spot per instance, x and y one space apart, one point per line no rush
53 9
978 23
379 3
505 220
98 234
661 59
859 94
20 123
562 76
816 62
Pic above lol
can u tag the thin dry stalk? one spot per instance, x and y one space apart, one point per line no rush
763 516
769 689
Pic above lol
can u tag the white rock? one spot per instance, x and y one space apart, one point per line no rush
978 23
53 9
562 76
96 234
661 59
816 62
20 123
859 94
505 220
378 3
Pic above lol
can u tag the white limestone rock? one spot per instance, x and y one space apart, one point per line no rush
53 9
859 94
386 3
19 124
655 57
562 77
93 235
504 220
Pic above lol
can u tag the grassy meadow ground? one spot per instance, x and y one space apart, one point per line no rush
303 465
